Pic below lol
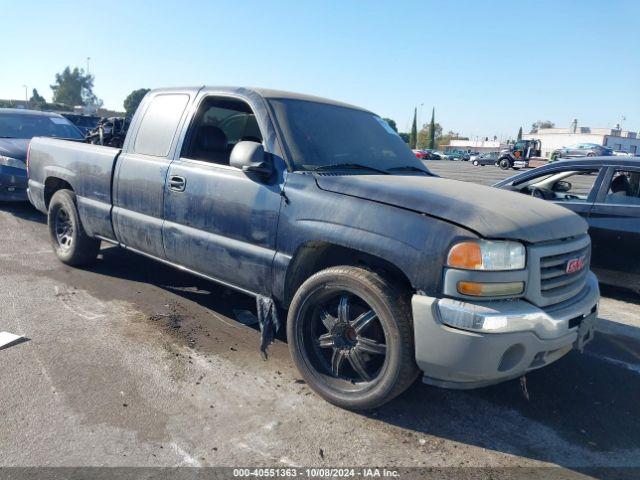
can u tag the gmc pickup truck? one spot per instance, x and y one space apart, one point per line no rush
386 270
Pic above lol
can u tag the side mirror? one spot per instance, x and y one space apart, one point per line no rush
251 158
561 186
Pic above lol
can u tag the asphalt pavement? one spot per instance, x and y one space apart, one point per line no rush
131 363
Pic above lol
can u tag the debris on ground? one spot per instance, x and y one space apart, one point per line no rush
269 322
9 339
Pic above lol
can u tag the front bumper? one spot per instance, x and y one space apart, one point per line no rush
533 337
13 184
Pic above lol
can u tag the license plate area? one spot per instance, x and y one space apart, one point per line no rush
586 329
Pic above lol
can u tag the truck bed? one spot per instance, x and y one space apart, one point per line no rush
87 168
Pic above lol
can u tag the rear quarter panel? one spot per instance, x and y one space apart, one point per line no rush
87 168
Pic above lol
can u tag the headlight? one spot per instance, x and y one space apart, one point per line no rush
12 162
487 255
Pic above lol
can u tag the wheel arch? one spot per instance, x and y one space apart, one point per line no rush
315 256
52 185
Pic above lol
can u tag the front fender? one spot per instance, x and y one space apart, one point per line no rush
413 243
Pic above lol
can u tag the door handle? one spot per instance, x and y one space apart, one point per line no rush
177 184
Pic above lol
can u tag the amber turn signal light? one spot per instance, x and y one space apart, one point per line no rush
477 289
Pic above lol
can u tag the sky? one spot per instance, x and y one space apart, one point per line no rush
487 67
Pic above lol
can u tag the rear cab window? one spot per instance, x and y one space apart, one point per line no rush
159 124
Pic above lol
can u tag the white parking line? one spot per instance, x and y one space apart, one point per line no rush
186 458
634 367
26 252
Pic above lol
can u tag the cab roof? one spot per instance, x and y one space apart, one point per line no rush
266 93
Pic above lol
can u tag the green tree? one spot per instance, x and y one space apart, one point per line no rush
520 134
37 101
74 87
392 124
413 136
404 136
133 100
432 129
424 135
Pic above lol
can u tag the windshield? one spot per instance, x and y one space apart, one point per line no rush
322 135
15 125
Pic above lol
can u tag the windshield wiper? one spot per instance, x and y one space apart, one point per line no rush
4 136
408 168
351 166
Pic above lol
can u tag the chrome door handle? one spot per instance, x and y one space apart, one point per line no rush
177 184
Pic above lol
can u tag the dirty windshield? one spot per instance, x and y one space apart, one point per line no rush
324 136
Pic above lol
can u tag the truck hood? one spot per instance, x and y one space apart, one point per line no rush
490 212
14 147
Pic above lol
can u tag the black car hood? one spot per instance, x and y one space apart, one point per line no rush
488 211
14 147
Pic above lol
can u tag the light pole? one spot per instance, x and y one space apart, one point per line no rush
26 96
88 60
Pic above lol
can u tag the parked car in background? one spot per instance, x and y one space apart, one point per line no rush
438 155
84 123
581 150
489 158
622 153
317 207
422 154
605 191
17 127
457 155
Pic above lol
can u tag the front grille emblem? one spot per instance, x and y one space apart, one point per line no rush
575 264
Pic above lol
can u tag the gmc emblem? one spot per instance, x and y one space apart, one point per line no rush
575 264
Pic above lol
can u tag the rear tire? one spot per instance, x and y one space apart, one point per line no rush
476 163
71 243
354 363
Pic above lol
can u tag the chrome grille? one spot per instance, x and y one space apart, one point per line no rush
549 281
554 278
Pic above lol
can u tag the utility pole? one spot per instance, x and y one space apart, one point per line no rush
26 96
88 60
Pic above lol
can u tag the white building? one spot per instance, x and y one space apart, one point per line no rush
481 146
616 138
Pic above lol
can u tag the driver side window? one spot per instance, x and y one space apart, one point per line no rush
219 124
573 185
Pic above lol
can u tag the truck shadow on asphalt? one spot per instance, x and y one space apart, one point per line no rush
586 403
23 210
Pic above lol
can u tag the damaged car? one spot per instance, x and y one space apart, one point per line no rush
387 272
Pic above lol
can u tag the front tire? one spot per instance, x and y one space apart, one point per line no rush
351 337
504 163
71 243
476 163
